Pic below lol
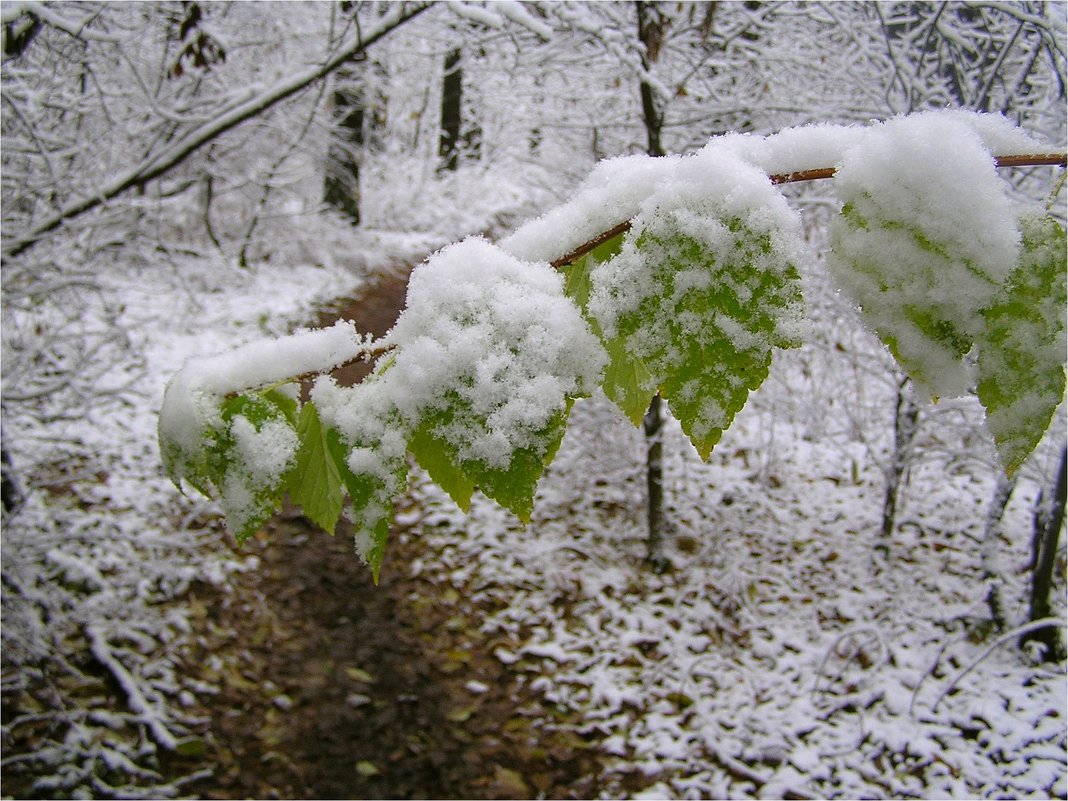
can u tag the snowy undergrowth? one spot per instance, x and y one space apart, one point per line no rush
781 656
100 552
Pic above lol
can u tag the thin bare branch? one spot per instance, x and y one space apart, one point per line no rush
173 154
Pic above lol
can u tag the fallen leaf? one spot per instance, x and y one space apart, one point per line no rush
367 769
359 674
461 715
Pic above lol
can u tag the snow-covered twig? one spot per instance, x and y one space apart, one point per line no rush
149 715
819 173
1008 636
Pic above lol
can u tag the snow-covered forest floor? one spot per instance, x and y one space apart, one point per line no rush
782 656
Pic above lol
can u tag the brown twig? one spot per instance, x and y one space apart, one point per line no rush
1033 160
594 243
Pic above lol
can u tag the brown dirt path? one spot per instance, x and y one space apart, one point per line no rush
332 688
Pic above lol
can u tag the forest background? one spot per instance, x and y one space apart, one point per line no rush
179 178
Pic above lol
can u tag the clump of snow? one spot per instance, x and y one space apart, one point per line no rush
191 400
611 194
822 145
926 238
484 332
267 450
999 135
806 147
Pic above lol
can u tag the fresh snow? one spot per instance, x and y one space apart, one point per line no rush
611 194
496 330
777 658
929 235
191 402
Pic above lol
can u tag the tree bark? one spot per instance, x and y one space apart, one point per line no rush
9 485
651 35
652 425
451 107
988 550
1049 517
906 414
341 185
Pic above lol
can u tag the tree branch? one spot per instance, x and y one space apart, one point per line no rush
174 154
1029 160
375 349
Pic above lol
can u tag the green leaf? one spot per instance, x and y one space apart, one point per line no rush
247 461
1022 346
372 501
513 487
315 480
705 329
577 283
439 461
287 404
626 379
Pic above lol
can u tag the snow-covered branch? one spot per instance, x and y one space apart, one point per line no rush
158 163
813 174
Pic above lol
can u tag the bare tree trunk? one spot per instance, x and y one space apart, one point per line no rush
451 107
1048 519
994 513
341 185
906 414
651 27
653 424
9 485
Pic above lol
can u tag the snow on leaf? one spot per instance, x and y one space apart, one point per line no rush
626 379
1022 344
242 455
372 514
365 443
925 239
512 485
489 353
248 458
703 289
